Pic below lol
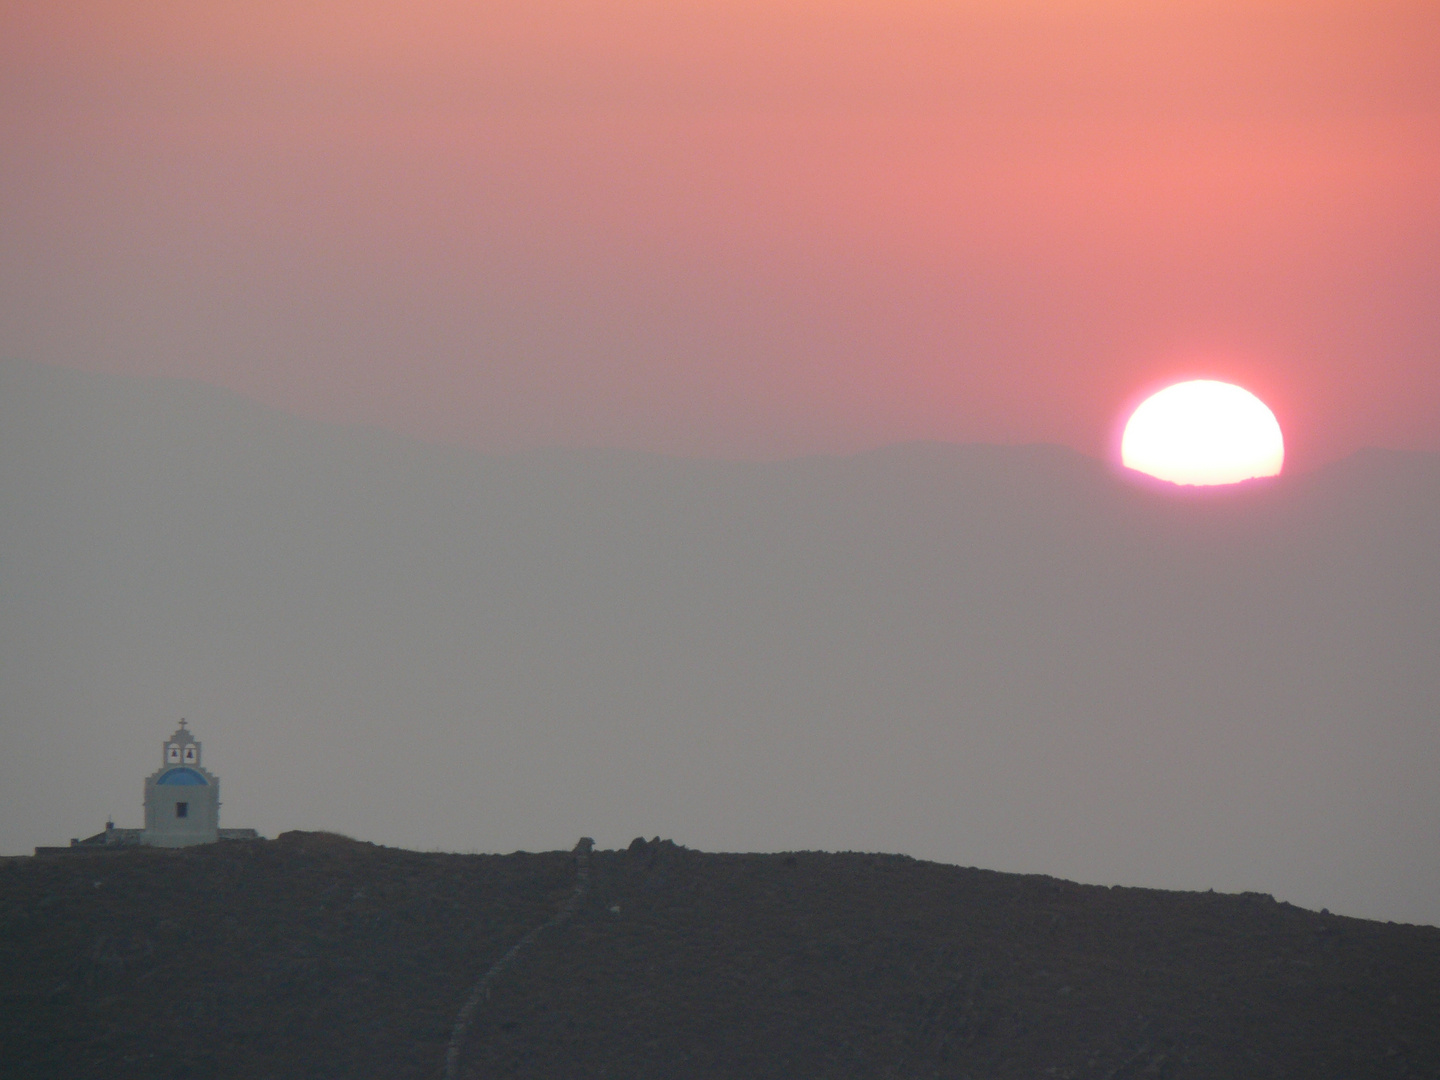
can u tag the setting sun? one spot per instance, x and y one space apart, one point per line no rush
1203 432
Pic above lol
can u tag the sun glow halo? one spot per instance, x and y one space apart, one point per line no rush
1203 432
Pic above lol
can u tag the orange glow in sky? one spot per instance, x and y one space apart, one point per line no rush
734 228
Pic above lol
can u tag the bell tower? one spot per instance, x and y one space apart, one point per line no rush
182 798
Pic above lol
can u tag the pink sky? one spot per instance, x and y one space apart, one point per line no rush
736 229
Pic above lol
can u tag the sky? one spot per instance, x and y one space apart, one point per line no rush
738 229
747 231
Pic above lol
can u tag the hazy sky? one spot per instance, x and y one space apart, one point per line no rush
735 228
994 656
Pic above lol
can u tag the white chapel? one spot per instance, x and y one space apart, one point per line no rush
182 804
182 797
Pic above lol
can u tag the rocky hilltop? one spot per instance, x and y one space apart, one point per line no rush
316 956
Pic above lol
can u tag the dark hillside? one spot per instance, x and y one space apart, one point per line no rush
308 956
314 956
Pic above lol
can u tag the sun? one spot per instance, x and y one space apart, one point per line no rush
1203 432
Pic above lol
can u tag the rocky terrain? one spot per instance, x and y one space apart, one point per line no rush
315 956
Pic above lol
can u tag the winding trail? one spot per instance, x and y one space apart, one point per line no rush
487 981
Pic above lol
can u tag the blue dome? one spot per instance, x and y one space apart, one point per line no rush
183 777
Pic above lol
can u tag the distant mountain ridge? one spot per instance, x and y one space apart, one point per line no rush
1000 656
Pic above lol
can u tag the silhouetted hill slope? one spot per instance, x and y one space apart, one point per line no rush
313 956
999 656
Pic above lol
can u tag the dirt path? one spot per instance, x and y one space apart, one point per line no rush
487 981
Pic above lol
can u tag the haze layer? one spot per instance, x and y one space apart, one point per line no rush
989 656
